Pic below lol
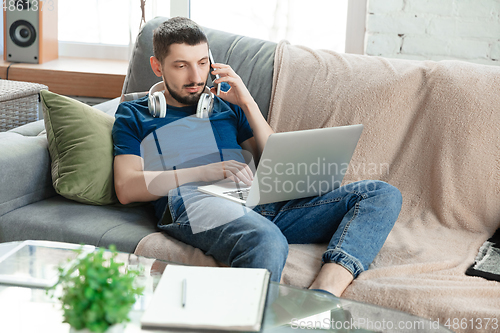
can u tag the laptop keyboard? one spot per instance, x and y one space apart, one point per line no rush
239 194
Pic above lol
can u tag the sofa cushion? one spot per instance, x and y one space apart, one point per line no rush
81 149
64 220
251 58
301 267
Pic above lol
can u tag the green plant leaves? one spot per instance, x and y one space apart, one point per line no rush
96 294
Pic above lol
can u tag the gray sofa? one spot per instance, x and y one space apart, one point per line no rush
428 120
30 207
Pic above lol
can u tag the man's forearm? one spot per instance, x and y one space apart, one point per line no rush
239 95
145 186
260 127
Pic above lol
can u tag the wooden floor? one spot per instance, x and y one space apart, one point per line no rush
72 76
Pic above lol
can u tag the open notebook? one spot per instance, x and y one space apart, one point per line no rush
214 298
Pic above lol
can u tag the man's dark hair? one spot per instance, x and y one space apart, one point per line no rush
177 30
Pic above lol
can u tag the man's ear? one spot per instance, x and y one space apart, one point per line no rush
155 66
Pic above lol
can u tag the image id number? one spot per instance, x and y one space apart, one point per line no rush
474 324
33 5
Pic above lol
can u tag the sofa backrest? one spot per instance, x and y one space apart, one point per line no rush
252 59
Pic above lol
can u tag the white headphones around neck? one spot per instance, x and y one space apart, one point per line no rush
157 104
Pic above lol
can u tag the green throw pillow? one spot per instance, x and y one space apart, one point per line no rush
81 149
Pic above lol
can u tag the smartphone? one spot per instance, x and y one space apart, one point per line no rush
214 77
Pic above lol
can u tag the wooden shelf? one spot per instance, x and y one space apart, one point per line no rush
72 76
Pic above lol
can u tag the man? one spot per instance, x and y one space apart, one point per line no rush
354 219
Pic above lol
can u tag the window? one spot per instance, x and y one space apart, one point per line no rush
103 28
313 23
107 28
97 22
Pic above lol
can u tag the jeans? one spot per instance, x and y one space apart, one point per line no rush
354 220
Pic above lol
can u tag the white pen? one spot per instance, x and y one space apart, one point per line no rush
184 291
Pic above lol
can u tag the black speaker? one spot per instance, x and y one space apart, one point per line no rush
30 31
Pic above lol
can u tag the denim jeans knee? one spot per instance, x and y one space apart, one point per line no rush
250 240
374 208
262 246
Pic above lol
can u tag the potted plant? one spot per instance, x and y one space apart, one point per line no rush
96 295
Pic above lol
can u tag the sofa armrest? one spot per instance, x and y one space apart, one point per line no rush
30 129
25 173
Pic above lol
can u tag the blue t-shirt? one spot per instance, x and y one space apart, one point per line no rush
180 140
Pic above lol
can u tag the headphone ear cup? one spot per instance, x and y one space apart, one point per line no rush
157 104
162 103
151 105
205 106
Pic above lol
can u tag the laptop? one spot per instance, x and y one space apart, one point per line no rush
295 165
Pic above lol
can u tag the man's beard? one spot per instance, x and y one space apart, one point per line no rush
190 99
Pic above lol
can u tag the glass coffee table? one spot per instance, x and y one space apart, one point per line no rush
288 309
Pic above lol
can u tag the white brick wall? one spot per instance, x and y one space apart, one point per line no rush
434 29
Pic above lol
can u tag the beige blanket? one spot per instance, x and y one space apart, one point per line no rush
432 130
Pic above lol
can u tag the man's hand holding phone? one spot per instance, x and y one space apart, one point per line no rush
238 93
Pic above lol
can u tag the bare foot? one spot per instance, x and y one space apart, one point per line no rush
333 278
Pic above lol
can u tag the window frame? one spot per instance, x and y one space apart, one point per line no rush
356 27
